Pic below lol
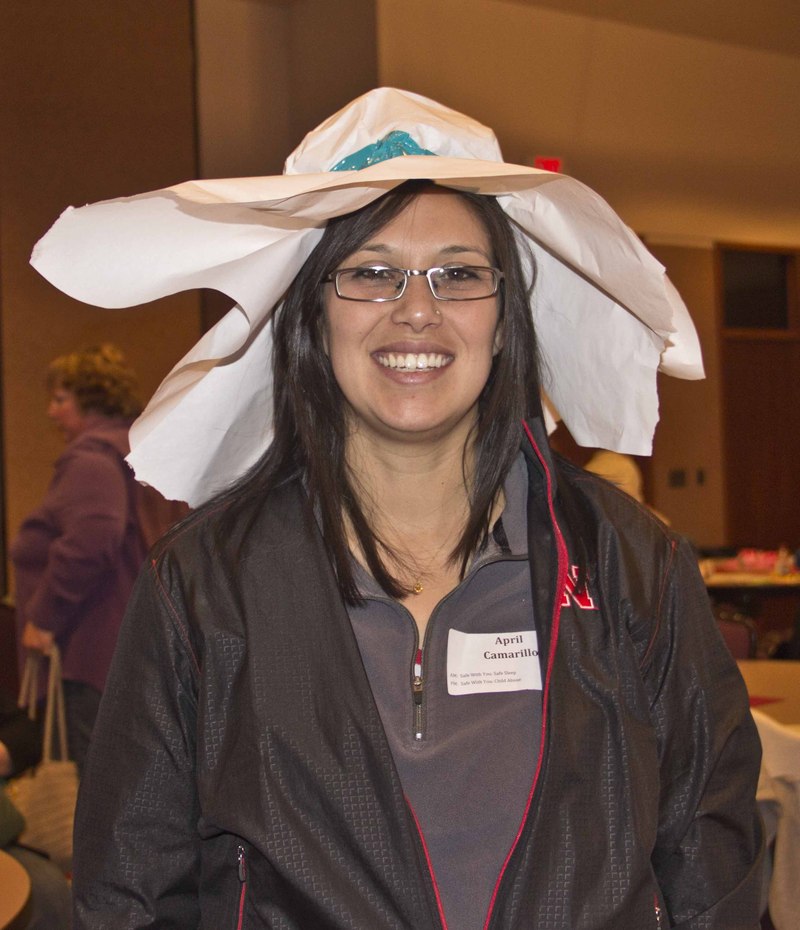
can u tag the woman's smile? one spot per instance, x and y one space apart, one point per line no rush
413 357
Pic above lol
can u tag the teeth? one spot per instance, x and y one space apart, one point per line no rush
413 361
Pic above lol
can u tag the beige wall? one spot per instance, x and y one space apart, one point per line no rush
243 109
685 137
268 72
333 58
689 436
97 101
690 140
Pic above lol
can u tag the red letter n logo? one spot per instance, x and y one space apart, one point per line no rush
582 598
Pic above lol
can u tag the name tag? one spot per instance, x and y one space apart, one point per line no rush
483 663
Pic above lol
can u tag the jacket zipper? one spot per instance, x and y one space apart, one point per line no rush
657 909
417 668
418 695
241 863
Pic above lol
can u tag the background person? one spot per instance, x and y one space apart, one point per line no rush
411 670
77 555
624 472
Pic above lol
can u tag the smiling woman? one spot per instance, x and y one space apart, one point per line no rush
367 341
410 669
380 428
396 398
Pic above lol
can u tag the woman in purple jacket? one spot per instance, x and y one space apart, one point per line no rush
77 555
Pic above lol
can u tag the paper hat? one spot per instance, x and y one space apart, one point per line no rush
606 316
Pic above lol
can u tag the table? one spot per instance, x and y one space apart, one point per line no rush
772 602
774 689
16 892
751 589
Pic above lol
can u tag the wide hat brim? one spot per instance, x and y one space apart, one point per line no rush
606 316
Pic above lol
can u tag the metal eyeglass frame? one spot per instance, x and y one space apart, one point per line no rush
333 278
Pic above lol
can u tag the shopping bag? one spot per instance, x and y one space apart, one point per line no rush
46 795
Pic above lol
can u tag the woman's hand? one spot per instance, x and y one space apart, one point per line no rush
34 637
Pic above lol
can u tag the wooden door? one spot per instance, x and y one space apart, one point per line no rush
761 419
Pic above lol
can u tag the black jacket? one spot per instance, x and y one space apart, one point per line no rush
240 777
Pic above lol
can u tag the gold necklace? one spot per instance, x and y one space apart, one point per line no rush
497 508
418 587
408 566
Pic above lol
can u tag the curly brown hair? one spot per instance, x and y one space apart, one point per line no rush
100 379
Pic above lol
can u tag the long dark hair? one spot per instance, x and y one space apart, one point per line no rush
310 411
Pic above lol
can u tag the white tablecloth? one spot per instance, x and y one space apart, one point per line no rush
779 801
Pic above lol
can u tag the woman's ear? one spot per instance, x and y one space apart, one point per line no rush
497 345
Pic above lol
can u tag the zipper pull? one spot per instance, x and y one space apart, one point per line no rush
417 688
242 864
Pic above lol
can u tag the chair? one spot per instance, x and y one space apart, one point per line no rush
739 632
790 648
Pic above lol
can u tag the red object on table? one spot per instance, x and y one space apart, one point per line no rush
757 700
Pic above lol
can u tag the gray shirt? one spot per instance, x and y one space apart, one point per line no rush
466 761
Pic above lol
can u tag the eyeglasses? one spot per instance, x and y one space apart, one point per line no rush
377 283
